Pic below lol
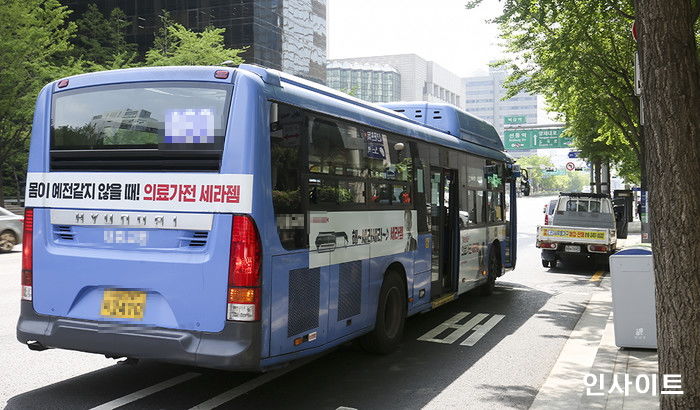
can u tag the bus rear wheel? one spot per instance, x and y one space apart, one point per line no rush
391 317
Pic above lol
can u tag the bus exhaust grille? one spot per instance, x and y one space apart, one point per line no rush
304 295
64 232
349 289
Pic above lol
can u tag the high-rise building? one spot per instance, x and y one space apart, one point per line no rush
370 82
288 35
421 80
484 95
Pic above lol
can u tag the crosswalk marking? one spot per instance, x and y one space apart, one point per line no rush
481 330
460 330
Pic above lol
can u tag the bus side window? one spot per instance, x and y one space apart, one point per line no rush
287 126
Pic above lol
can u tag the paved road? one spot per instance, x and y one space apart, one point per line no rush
505 367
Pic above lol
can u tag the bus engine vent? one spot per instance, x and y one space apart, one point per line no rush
349 290
64 232
197 240
304 295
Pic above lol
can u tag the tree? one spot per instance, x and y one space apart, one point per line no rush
670 61
102 40
535 166
579 55
33 36
191 48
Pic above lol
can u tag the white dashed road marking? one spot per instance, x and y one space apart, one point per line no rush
145 392
247 386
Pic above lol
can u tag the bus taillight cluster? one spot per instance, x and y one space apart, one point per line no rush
244 271
27 250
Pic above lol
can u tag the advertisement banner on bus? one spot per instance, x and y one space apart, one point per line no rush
141 191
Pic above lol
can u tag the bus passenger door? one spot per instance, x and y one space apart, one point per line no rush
444 228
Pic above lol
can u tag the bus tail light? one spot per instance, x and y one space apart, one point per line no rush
598 248
243 300
27 251
547 245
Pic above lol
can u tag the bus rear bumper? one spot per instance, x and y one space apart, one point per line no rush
236 347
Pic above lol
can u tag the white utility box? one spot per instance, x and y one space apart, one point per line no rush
634 303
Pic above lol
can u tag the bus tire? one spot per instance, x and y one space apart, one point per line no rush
545 263
391 317
494 269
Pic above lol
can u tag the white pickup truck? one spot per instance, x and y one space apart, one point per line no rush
583 225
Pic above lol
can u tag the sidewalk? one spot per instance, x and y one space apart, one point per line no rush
590 371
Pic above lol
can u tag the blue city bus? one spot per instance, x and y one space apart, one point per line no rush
240 218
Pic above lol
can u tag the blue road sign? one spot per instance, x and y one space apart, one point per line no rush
574 154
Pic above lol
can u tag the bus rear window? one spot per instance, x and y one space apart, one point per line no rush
148 126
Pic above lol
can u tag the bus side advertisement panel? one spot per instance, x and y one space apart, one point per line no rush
349 236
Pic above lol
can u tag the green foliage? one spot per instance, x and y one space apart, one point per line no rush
164 40
34 38
541 181
190 48
102 40
580 56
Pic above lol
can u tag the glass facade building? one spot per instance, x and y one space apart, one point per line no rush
288 35
369 82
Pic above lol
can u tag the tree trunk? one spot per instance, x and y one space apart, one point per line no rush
596 172
671 91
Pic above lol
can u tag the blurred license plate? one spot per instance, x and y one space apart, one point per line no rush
572 248
123 304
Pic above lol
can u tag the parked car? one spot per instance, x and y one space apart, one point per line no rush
10 230
549 211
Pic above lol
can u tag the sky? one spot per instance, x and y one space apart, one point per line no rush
443 31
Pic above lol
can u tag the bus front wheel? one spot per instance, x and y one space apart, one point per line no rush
493 272
391 317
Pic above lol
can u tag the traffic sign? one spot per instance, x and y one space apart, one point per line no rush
514 119
574 154
570 166
535 138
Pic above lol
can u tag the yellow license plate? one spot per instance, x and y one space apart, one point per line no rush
123 304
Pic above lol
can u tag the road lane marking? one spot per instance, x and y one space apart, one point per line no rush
481 330
247 386
460 330
597 276
146 392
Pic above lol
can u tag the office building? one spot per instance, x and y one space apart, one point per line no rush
484 95
421 80
367 81
288 35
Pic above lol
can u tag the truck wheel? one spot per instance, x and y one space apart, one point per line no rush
391 317
545 263
553 264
